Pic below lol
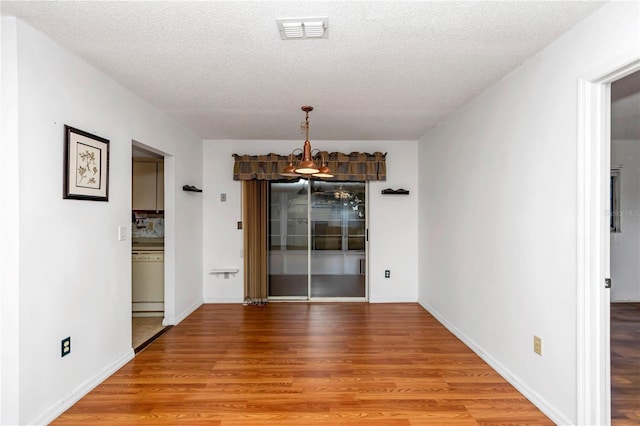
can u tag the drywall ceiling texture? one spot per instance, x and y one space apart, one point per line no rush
499 177
388 71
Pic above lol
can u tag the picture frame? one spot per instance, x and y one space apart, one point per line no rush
86 166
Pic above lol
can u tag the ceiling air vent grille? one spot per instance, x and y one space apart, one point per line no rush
303 28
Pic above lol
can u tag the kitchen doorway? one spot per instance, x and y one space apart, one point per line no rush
318 241
147 247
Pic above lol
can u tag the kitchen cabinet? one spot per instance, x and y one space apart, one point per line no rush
148 185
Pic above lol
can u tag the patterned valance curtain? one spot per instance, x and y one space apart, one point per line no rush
357 166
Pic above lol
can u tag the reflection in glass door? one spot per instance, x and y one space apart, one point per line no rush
288 240
317 252
338 218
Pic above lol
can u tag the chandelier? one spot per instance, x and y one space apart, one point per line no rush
307 165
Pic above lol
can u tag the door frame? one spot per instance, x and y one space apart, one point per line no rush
169 317
366 256
308 297
593 244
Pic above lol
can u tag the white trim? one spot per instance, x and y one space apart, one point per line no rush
336 299
393 300
503 371
238 300
170 262
178 319
593 172
65 403
287 298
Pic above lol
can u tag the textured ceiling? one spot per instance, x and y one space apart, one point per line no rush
389 69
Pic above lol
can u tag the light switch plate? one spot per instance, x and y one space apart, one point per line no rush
537 345
122 232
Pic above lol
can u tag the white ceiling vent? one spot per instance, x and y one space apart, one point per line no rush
301 28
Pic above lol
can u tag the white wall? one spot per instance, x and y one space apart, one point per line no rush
393 220
74 275
498 223
625 246
9 222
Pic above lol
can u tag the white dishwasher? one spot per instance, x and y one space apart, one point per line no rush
147 280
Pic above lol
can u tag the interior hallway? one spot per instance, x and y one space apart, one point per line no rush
625 364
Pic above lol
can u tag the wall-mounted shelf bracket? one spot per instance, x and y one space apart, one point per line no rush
191 188
225 271
398 191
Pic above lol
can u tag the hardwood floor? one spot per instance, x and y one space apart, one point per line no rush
306 364
625 364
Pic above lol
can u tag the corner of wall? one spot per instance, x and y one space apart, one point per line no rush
544 406
65 403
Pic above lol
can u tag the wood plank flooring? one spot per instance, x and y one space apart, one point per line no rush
306 364
625 364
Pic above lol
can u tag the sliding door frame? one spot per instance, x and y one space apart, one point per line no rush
309 297
366 255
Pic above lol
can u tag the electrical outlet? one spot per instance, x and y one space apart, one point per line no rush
65 347
223 197
537 345
387 273
239 225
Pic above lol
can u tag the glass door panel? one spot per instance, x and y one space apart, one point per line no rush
338 235
288 240
333 229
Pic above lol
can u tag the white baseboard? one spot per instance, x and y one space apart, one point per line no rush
223 300
392 300
530 394
178 319
65 403
236 300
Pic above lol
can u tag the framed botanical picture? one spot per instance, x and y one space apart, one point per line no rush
86 166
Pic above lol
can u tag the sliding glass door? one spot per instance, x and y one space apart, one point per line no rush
338 240
289 240
317 240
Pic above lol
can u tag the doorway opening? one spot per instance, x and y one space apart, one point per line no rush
625 247
318 241
593 241
147 246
